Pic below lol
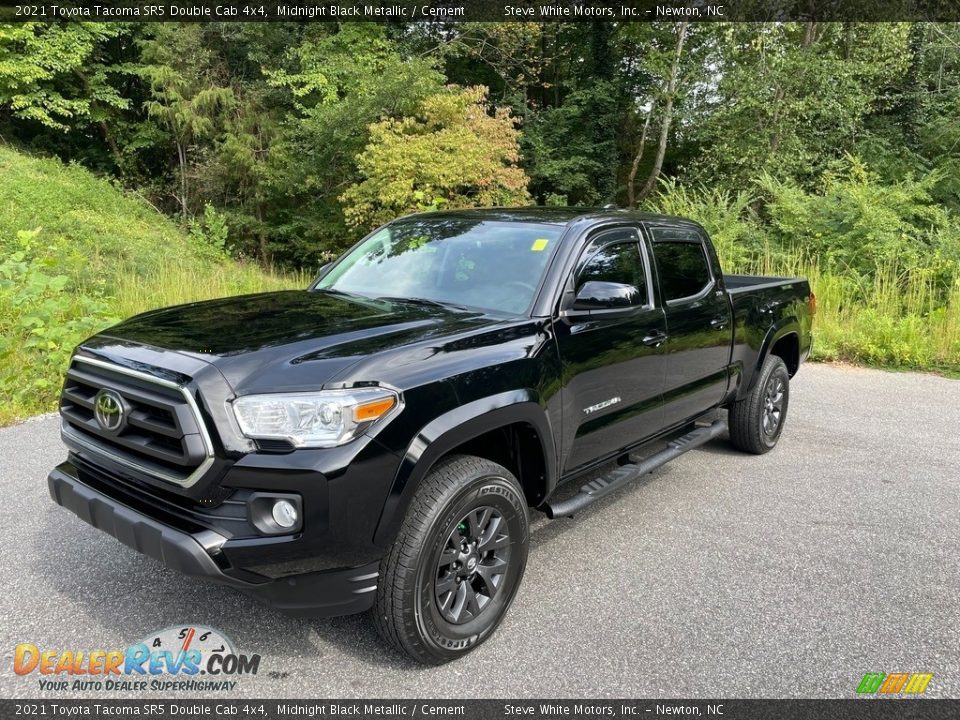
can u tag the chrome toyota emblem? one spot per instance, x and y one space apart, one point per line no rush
108 409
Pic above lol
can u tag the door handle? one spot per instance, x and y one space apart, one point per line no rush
718 323
655 339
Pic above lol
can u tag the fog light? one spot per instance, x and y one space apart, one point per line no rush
284 514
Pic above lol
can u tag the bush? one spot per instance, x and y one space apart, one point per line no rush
209 233
728 217
858 223
41 319
883 260
453 154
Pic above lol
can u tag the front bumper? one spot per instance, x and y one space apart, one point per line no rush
201 553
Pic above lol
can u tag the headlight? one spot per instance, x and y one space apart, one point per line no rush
320 419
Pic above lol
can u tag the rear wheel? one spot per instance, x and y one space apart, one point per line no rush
457 562
757 420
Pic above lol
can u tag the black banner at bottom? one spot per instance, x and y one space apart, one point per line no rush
852 709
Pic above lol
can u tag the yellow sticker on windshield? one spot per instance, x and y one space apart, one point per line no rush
539 245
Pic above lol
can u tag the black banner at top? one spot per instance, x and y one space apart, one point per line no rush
446 11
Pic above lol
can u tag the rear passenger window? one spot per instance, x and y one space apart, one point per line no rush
681 263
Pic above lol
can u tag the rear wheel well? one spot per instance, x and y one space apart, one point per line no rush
518 448
787 349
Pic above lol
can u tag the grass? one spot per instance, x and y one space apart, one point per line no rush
78 254
183 284
897 323
897 319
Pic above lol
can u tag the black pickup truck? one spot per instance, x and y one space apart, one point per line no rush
377 441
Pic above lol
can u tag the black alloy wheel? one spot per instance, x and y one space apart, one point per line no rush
473 565
774 397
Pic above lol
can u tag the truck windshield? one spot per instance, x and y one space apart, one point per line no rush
493 265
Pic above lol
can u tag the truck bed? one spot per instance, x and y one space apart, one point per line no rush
737 284
763 302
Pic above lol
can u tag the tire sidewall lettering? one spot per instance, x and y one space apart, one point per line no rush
495 491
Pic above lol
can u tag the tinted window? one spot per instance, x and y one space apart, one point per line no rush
682 266
619 263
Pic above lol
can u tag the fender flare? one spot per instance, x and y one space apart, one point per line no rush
779 330
453 428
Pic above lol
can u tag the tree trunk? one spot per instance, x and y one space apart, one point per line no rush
667 115
262 250
632 181
182 160
775 120
911 99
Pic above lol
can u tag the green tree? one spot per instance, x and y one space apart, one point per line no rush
189 93
570 85
452 154
792 97
60 75
341 80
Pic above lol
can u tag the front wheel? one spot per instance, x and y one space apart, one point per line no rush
757 420
457 562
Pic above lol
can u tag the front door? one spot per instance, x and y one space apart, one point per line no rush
613 368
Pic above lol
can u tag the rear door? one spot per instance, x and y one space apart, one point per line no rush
699 322
612 378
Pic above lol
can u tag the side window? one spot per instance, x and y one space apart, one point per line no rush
618 262
681 262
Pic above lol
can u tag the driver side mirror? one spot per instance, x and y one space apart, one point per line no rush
600 295
597 298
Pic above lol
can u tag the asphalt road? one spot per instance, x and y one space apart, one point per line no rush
787 575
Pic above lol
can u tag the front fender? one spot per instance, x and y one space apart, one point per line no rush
453 428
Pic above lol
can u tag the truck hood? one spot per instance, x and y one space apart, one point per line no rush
290 340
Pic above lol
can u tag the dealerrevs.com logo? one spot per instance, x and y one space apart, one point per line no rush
894 683
188 658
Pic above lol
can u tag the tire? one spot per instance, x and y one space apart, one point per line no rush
757 420
423 605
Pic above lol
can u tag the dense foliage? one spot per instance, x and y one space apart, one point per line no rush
831 149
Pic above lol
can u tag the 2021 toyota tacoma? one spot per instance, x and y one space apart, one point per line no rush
377 441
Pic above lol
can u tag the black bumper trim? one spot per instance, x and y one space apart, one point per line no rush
328 593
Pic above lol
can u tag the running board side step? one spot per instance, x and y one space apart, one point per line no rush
625 474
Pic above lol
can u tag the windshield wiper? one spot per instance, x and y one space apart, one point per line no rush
426 302
331 291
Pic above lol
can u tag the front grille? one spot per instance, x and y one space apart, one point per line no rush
161 433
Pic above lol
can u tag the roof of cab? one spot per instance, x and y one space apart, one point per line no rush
548 215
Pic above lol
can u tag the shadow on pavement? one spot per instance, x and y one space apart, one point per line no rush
130 595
